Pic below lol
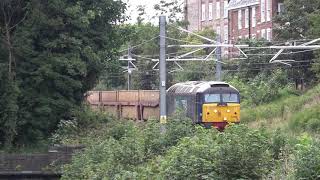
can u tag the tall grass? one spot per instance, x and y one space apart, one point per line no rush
280 108
306 120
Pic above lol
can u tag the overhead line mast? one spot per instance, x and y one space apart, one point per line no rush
163 73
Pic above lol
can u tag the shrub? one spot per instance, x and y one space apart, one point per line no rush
278 143
117 153
82 119
263 88
108 159
307 159
191 159
237 153
86 117
243 153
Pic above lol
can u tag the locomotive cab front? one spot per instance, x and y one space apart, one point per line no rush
220 106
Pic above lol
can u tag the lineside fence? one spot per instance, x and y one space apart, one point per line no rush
36 166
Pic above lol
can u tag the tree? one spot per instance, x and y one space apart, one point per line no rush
142 12
295 23
197 70
145 35
300 21
13 13
173 9
314 32
59 49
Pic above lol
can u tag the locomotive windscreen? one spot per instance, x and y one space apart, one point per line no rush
218 98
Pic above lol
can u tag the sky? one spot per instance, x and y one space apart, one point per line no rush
132 9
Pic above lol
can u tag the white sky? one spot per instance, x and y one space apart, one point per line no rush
133 13
132 8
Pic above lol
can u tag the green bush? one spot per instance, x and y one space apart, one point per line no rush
184 151
86 117
157 142
109 158
243 153
117 152
263 88
192 158
238 153
278 143
82 119
307 159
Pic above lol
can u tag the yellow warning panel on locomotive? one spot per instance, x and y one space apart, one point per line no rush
229 112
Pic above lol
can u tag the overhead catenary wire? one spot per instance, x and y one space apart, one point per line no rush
286 53
150 57
142 57
179 40
279 42
291 44
144 42
274 66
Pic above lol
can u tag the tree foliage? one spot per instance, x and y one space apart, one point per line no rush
295 22
58 50
300 20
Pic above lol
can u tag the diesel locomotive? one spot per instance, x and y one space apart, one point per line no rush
211 103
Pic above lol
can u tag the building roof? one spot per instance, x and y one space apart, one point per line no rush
236 4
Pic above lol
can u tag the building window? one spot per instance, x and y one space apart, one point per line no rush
210 11
218 10
253 14
263 33
225 52
280 8
218 31
246 14
203 12
262 9
269 35
253 36
225 30
225 9
269 3
239 19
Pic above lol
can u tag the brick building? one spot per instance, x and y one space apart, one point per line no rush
233 19
252 18
208 13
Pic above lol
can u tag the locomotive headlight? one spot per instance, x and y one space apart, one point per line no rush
224 118
228 110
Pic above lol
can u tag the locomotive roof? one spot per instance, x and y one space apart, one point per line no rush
193 87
